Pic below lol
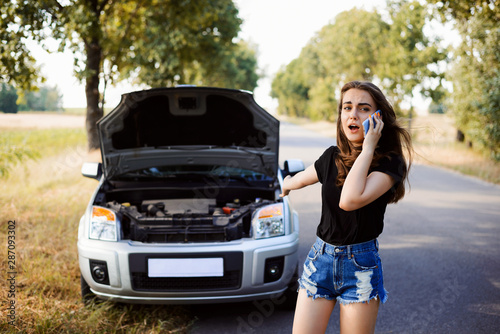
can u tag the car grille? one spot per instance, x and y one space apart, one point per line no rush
173 231
233 267
189 234
230 280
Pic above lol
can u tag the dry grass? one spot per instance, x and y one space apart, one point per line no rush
435 144
46 198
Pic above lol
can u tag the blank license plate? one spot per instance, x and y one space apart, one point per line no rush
206 267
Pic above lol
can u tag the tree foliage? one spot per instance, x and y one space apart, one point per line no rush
154 42
46 98
17 65
412 59
291 88
342 51
362 45
475 74
8 99
235 68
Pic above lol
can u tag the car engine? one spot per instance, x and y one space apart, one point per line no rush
185 220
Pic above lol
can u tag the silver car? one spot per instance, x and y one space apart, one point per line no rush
187 209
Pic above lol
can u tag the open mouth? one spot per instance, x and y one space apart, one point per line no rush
353 128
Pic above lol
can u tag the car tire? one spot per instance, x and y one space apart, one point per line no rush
88 297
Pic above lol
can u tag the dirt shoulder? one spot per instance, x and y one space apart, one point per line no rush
41 121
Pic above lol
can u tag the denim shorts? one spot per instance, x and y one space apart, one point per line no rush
349 274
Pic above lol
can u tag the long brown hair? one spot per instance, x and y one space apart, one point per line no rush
394 139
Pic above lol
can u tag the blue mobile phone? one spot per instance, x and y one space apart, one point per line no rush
366 123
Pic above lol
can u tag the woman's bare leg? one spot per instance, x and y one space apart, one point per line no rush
311 316
359 318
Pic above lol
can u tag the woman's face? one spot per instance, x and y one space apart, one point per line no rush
357 105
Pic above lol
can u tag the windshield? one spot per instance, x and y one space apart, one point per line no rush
194 171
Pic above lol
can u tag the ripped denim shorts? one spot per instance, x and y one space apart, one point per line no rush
349 274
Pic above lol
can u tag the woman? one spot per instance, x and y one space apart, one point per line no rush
359 178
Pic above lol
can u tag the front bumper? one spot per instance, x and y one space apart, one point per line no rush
244 270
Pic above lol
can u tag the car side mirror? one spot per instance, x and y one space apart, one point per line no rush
92 170
292 167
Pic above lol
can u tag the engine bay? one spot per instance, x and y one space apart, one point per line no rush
185 220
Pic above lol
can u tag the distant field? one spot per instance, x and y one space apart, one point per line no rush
75 111
41 120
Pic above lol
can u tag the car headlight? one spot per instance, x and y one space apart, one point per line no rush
269 222
103 224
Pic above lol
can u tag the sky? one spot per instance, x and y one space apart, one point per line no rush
279 28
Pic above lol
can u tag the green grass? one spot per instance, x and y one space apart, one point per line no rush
45 141
46 197
20 145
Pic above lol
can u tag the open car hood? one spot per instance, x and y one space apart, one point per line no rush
188 126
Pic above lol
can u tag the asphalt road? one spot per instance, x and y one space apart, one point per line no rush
440 250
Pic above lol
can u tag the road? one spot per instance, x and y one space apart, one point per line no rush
440 250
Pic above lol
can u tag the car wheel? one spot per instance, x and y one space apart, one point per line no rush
88 297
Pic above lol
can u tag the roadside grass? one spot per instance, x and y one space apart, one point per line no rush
20 145
46 198
435 144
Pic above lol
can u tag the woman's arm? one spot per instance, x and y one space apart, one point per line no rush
299 180
360 188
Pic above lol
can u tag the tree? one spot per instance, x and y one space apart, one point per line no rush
350 47
475 100
236 68
412 58
341 51
361 45
17 66
8 98
291 89
155 42
44 99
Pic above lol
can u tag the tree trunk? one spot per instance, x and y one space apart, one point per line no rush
94 112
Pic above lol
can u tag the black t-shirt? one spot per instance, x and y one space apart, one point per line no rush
339 227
